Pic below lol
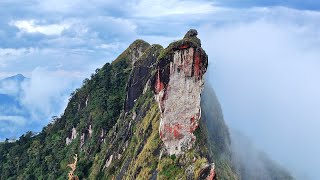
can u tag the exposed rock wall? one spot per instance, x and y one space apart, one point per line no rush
178 85
140 74
71 136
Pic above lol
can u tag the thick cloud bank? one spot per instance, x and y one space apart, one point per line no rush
266 76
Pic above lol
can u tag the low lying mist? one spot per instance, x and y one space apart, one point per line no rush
233 147
266 77
252 163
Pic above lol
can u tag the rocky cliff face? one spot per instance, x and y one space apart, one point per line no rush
178 85
140 75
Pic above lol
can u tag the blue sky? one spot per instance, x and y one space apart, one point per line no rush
264 60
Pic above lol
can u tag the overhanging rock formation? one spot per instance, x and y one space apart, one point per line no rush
178 84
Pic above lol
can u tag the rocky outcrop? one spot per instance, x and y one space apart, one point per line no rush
109 161
140 74
71 136
178 84
86 133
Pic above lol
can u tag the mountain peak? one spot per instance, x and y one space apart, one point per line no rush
133 52
17 77
139 42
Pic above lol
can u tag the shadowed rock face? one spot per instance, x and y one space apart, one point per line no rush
208 173
140 75
178 85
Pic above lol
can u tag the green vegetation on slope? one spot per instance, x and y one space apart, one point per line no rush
97 103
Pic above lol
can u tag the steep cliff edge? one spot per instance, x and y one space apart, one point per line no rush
178 85
147 115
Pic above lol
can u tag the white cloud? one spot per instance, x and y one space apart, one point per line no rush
9 55
9 87
111 46
266 74
59 5
31 26
111 27
145 8
76 6
16 120
162 40
79 62
46 93
5 52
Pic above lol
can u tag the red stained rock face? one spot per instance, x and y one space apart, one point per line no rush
171 132
179 97
197 65
159 85
185 46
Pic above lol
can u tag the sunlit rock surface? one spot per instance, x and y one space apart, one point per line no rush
178 86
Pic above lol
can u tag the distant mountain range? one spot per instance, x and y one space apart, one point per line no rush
10 89
11 110
17 78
